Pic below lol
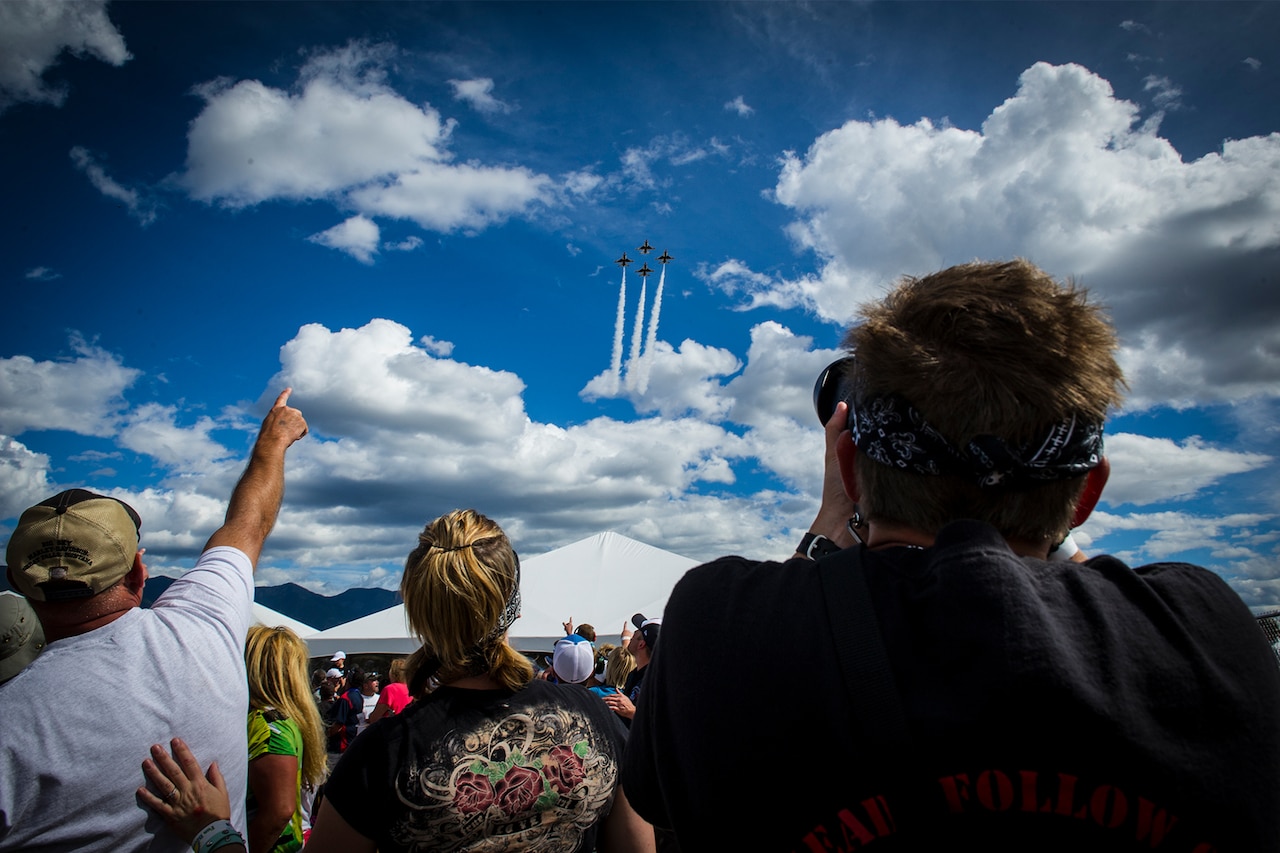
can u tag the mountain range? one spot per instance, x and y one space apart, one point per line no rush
318 611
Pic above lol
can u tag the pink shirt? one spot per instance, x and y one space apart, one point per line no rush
395 696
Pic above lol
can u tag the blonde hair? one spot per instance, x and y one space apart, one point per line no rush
997 348
458 586
396 674
621 663
276 662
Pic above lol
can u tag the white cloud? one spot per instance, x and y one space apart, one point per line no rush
1167 96
153 430
343 134
683 380
1254 64
1064 174
1135 27
442 197
84 395
638 161
408 244
739 106
581 183
479 94
34 33
1148 470
399 434
24 477
357 236
139 208
444 349
42 274
1175 533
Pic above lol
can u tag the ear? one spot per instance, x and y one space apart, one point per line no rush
1094 483
137 577
846 453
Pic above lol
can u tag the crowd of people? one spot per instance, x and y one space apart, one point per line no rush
937 664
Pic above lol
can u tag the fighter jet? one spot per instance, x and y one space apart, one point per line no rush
665 258
623 261
644 270
646 248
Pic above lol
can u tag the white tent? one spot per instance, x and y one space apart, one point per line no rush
601 580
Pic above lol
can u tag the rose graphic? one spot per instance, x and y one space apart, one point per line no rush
473 793
563 768
518 790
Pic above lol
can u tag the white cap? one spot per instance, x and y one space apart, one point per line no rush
573 659
339 656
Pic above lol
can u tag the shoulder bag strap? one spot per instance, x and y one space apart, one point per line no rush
868 680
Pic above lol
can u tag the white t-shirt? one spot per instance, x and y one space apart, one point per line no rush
78 722
370 702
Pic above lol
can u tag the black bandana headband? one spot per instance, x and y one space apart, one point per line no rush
891 431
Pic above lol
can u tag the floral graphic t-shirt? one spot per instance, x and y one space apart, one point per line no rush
484 770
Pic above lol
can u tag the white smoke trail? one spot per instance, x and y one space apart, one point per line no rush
646 360
636 339
616 365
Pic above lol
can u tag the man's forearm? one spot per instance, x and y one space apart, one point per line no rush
255 502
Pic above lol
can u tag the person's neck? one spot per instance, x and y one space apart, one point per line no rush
474 682
59 624
888 534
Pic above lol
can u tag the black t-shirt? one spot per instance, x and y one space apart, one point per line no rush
1052 706
530 770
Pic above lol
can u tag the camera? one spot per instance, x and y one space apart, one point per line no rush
835 383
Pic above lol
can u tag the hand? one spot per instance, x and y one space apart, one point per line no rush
283 425
180 794
620 705
837 507
626 632
568 626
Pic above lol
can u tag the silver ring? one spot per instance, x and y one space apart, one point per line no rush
172 793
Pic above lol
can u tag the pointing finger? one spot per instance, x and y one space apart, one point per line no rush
283 399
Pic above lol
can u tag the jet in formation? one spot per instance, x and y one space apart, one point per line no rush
623 261
644 271
646 248
665 258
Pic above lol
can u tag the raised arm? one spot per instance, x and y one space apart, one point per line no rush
255 501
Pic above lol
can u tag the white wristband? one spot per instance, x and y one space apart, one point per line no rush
217 834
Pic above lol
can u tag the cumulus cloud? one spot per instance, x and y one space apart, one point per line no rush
24 477
1254 64
400 433
83 395
33 35
479 94
357 236
1135 27
739 106
1148 470
153 430
1065 174
138 207
343 134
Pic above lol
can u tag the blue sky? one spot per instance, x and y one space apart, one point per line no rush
409 213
